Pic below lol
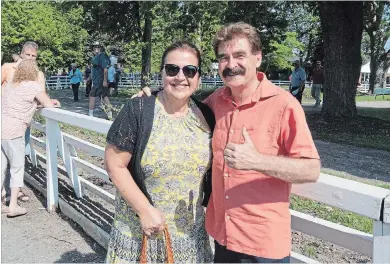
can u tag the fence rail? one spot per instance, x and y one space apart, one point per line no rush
366 200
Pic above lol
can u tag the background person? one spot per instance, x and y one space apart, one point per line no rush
111 78
88 80
100 63
297 84
317 78
157 156
29 52
76 78
19 103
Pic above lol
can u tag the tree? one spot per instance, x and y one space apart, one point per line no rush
304 20
342 26
283 53
377 26
269 18
60 35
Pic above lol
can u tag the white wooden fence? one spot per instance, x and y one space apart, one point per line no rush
366 200
63 82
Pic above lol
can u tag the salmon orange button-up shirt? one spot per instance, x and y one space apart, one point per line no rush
248 210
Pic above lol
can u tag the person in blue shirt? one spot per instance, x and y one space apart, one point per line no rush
297 84
111 78
76 78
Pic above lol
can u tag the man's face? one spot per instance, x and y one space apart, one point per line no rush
96 50
318 64
237 63
296 65
29 53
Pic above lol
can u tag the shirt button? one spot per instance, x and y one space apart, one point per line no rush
228 217
226 175
231 131
236 110
227 197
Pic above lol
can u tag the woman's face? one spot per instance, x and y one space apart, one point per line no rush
180 86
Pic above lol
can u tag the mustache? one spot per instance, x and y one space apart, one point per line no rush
233 72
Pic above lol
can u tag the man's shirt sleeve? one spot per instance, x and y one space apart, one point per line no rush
295 136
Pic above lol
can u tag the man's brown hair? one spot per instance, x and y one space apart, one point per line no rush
27 70
239 29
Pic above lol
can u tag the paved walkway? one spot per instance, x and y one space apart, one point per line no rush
41 237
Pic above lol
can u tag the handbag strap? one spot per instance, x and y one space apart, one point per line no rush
168 247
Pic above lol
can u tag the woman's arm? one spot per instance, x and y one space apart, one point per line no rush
116 161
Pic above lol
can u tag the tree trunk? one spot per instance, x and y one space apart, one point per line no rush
383 67
373 62
373 12
342 25
146 50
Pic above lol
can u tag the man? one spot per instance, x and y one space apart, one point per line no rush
317 78
261 145
29 52
100 64
297 84
88 80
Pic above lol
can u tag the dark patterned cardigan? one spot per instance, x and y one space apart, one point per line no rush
131 131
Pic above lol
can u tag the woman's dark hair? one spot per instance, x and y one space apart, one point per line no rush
183 45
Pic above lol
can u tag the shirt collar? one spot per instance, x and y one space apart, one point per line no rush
263 90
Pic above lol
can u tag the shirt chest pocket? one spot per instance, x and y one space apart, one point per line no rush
262 138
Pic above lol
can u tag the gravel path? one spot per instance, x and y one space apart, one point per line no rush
41 237
355 163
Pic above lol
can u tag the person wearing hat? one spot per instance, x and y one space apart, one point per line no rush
100 64
75 78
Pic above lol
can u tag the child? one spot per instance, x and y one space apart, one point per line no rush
19 102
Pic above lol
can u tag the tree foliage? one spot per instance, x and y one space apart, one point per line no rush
60 35
284 52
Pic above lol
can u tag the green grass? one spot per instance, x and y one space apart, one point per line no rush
381 113
369 98
334 214
369 129
331 214
309 251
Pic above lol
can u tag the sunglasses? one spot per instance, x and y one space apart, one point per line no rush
189 71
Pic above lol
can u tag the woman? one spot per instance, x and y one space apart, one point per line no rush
19 102
157 156
75 79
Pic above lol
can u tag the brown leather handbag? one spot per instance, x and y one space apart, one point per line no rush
168 247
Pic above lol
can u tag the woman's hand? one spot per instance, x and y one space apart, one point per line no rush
145 91
56 103
152 221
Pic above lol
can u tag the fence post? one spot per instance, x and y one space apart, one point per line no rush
381 242
71 168
52 134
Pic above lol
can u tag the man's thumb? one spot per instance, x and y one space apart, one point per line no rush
246 136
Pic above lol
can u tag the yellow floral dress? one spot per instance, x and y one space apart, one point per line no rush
176 157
